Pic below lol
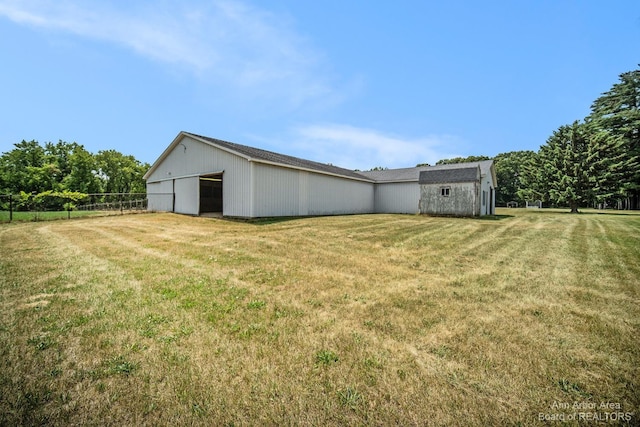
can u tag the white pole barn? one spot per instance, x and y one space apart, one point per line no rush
198 175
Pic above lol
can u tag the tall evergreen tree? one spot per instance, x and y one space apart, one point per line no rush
608 166
564 166
617 112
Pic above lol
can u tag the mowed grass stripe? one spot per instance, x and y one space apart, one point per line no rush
374 319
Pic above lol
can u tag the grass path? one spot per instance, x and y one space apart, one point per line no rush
163 319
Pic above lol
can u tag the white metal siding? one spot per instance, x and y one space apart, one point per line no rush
276 191
236 188
160 196
303 194
489 206
288 192
398 197
187 195
335 196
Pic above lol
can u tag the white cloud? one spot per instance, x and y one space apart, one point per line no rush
226 42
358 148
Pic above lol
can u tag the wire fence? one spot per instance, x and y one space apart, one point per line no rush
133 203
20 208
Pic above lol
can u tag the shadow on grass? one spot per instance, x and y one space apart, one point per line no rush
266 221
585 211
493 217
277 220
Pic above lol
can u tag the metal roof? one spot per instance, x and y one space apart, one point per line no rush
450 175
258 154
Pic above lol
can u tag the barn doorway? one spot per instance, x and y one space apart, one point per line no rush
211 194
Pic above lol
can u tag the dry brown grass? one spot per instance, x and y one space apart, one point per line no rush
163 319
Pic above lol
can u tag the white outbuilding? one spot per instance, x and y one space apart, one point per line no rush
199 175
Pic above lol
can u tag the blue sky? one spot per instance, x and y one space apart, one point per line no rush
355 83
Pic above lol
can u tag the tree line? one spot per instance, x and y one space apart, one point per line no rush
57 175
590 162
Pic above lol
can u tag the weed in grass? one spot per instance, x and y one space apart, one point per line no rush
236 293
430 322
441 351
256 304
572 388
315 303
119 366
350 398
188 303
168 293
326 357
199 409
248 331
42 342
149 325
373 362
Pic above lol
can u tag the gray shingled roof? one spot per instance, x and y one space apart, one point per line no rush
442 175
485 166
413 174
283 159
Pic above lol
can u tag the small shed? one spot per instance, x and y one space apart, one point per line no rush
461 189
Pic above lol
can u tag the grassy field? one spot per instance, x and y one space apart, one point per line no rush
161 319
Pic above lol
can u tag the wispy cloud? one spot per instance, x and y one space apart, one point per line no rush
223 41
360 148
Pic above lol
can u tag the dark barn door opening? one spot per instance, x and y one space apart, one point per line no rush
211 194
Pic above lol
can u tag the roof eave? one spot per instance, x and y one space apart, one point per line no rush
395 181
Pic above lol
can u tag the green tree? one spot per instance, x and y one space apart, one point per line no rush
59 156
120 173
509 172
563 163
617 113
83 174
609 166
468 159
41 174
21 169
534 180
